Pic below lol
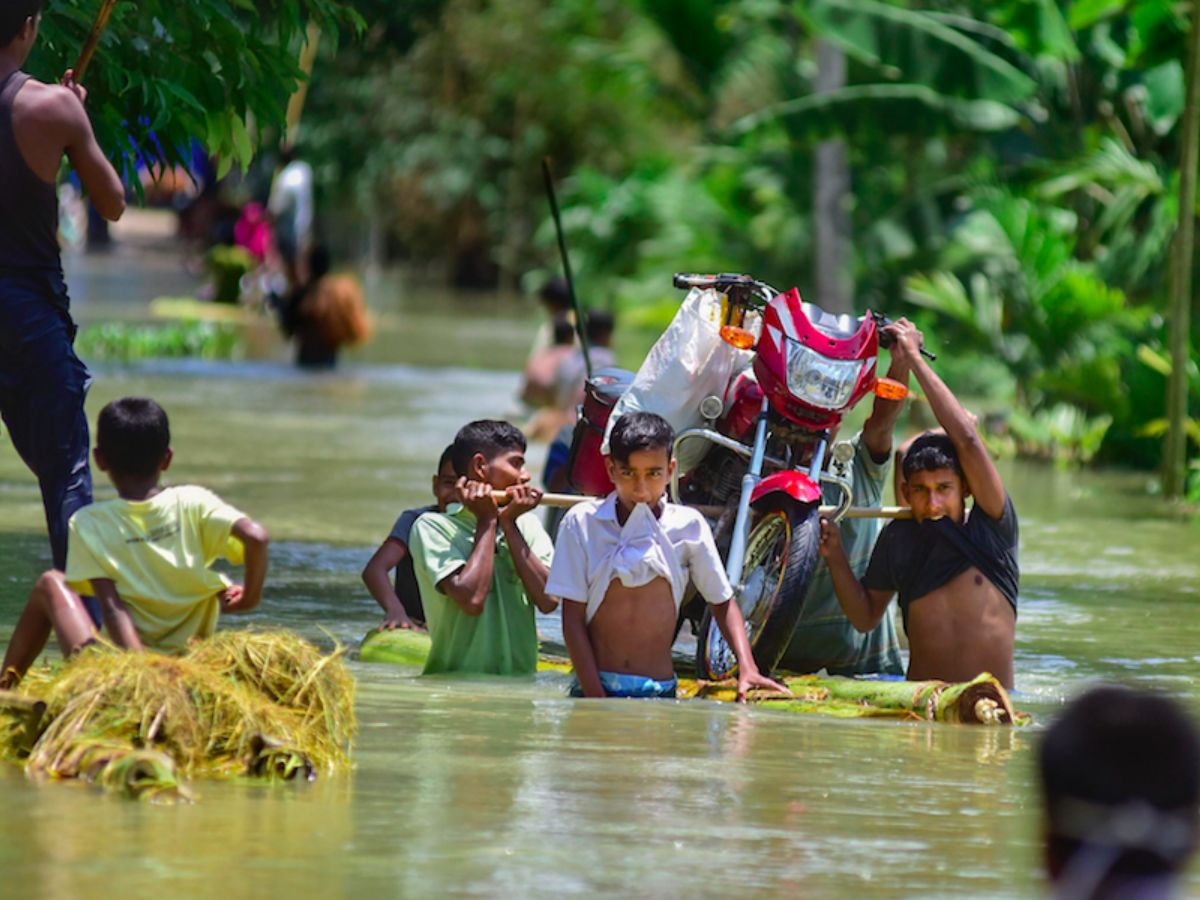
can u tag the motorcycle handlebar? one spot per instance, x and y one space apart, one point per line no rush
743 289
687 282
725 281
886 340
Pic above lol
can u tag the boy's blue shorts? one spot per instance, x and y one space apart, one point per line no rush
617 684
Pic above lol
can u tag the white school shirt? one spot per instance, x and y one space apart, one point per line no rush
593 548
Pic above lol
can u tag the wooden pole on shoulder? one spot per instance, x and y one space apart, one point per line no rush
565 501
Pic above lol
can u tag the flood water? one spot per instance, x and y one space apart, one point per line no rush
500 788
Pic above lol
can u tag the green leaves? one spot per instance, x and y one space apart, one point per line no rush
882 108
165 74
1085 13
919 47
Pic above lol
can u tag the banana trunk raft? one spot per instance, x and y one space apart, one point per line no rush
241 704
981 701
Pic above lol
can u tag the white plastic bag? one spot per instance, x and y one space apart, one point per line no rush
687 363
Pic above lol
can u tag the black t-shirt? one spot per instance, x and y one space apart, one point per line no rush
406 578
913 559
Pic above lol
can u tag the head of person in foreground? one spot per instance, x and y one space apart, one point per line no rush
133 441
490 451
19 21
1120 775
934 485
639 458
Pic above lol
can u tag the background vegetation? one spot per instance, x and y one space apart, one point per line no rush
1013 181
1010 167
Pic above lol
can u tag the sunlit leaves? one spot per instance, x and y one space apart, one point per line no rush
218 72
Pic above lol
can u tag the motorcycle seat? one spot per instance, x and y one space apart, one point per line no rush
834 326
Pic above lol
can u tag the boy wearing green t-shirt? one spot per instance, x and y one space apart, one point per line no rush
146 556
482 567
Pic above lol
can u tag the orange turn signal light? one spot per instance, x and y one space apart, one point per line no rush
737 337
890 389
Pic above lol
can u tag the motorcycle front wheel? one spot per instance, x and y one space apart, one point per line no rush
781 554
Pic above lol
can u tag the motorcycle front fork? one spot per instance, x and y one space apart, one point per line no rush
757 455
741 525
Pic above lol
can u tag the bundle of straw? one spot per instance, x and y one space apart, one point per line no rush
241 703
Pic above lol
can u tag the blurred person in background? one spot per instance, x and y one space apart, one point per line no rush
292 208
1120 777
325 314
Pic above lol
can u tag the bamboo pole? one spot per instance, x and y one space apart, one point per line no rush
565 501
1175 452
93 39
295 107
580 330
980 701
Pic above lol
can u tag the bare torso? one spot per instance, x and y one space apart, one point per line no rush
962 628
633 630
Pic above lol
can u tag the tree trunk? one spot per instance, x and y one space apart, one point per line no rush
831 193
1175 461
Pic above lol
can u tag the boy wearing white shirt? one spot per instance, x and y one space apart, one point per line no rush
621 567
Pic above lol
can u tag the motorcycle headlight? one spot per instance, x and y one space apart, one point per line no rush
821 382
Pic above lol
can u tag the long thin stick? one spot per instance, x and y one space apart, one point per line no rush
565 501
93 39
566 261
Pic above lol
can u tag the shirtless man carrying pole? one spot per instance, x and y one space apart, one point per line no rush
955 573
42 381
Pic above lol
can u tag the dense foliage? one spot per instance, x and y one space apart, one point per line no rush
1013 167
168 74
1013 163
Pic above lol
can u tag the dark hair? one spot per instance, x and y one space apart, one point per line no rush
599 326
564 331
446 457
1113 760
133 434
929 452
320 261
13 14
636 431
487 436
556 294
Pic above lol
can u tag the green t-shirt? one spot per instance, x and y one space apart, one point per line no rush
502 640
824 637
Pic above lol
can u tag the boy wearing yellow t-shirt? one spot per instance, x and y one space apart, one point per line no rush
146 556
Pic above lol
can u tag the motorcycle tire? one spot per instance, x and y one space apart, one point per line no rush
781 556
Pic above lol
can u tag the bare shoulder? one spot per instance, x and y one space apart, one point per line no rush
47 99
50 106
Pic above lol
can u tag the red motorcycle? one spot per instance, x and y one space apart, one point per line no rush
769 435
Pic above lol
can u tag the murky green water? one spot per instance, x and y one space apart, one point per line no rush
501 789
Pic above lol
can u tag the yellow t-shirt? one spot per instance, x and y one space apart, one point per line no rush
158 553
